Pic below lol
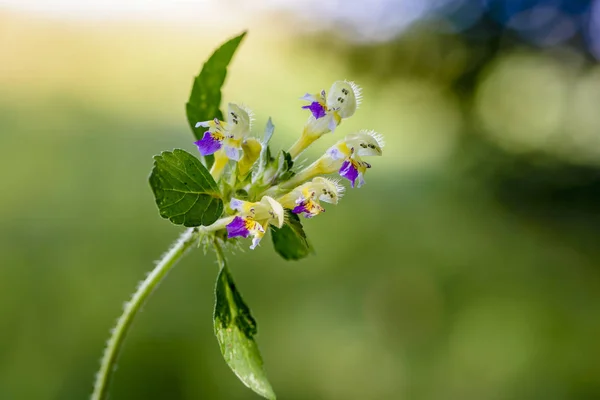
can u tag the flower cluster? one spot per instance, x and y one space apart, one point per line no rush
261 188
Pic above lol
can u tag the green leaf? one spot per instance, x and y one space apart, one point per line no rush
290 241
235 329
269 130
205 98
265 154
285 167
285 161
185 191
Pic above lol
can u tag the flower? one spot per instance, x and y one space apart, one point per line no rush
327 112
227 136
345 158
363 143
354 168
308 207
213 137
344 97
244 227
318 105
302 200
254 217
305 198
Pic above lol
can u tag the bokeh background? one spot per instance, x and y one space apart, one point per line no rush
468 267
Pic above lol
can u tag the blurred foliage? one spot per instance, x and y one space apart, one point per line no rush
467 270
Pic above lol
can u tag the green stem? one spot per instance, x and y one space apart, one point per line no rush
219 253
114 344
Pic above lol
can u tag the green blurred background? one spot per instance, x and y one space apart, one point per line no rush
466 268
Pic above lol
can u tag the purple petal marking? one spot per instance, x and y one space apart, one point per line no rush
361 180
308 97
349 171
300 208
335 153
255 242
332 124
316 108
236 204
307 210
208 144
232 153
237 227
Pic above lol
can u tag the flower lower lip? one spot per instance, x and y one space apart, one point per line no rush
208 144
317 109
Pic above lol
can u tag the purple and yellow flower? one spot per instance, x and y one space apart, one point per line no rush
244 227
226 136
363 143
353 168
212 141
318 105
342 101
305 198
344 157
327 112
304 203
225 139
308 208
253 218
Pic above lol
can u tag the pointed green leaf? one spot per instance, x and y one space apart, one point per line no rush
235 329
285 166
290 241
285 161
265 153
185 191
269 130
205 98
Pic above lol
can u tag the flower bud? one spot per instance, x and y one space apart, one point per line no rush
251 149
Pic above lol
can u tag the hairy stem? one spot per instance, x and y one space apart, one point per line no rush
119 332
219 253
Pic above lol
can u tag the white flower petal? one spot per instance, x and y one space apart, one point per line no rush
344 96
277 209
